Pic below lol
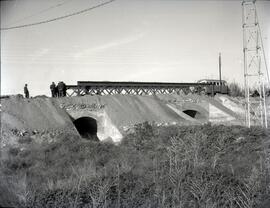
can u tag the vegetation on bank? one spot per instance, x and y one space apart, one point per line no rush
235 90
187 166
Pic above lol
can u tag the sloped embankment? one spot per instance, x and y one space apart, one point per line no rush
39 116
218 110
125 110
114 114
128 110
33 114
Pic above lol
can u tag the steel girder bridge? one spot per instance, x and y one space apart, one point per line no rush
133 88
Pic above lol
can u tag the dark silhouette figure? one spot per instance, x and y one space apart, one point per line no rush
26 92
61 89
53 89
56 91
64 89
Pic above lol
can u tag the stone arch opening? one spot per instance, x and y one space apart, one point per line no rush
192 113
87 127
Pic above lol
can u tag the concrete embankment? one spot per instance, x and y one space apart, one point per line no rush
110 116
115 114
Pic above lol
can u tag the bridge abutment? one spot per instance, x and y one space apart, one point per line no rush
94 124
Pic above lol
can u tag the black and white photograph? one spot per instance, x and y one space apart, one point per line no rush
135 104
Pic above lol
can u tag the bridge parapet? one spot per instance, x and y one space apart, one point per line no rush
133 88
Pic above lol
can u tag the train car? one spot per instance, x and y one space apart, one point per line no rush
215 86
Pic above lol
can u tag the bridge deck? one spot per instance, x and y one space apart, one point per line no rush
135 88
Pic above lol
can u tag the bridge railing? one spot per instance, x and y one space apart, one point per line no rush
134 88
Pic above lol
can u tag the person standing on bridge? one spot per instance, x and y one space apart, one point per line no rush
26 92
64 89
61 88
53 89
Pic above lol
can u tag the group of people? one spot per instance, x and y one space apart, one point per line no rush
59 90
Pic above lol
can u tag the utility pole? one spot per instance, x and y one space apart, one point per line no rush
252 48
219 66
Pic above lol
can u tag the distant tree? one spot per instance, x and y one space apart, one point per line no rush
235 90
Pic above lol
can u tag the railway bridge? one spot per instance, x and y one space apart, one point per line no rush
134 88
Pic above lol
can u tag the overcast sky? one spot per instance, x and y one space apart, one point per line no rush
126 40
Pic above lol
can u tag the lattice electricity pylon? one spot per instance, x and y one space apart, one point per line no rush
254 78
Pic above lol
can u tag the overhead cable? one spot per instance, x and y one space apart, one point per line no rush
57 18
43 11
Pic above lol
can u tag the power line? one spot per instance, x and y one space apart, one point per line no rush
42 11
58 18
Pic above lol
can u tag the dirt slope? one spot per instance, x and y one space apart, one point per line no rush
36 118
33 114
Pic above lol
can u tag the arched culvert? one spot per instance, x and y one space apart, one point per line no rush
192 113
87 127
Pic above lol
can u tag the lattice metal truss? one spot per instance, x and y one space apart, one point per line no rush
254 78
137 88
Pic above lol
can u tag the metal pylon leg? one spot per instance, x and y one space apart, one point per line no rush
256 112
